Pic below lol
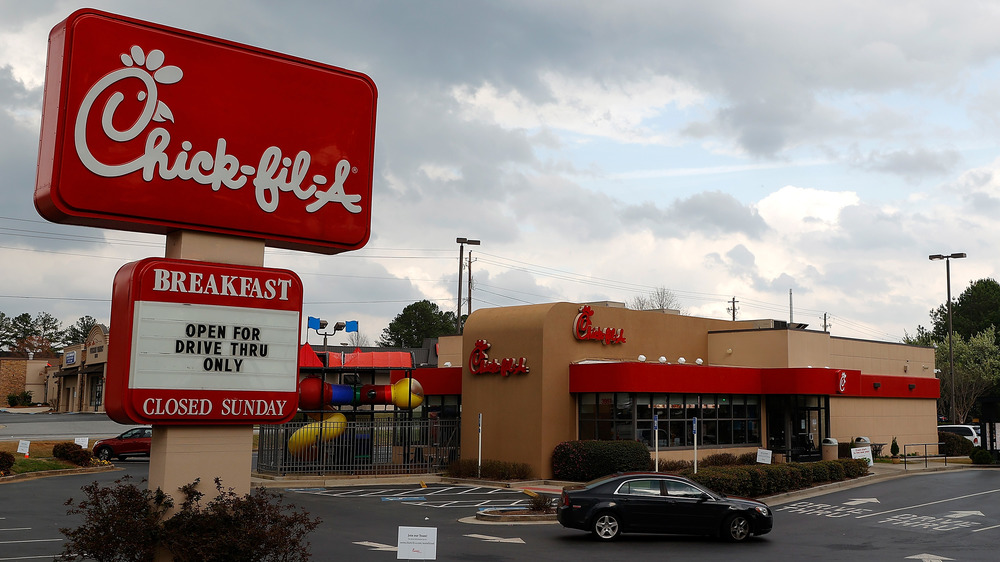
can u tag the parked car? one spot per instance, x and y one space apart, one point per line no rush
970 432
659 503
134 442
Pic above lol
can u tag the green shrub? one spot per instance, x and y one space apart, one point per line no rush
69 451
749 457
6 462
20 399
820 472
720 459
490 470
126 523
673 466
580 461
981 456
954 445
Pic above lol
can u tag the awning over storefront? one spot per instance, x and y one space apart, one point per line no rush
704 379
357 359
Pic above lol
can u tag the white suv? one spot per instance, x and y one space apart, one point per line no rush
970 432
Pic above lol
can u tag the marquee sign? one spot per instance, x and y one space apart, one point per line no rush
203 343
154 129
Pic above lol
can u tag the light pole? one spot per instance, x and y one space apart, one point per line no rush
951 352
461 256
322 326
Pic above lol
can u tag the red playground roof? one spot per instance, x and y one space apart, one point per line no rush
357 359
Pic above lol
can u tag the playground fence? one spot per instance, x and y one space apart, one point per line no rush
366 447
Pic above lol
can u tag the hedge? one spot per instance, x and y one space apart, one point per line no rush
767 480
580 461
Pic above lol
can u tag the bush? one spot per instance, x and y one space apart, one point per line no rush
253 527
954 445
981 456
21 399
720 459
674 466
747 458
491 470
580 461
6 462
766 480
69 451
126 523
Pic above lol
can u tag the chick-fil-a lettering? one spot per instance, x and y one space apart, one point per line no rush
584 331
274 173
481 364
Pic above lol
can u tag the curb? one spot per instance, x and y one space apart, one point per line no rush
511 516
51 473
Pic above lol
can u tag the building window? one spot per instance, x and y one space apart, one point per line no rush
723 419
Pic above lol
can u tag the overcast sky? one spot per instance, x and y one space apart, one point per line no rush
600 150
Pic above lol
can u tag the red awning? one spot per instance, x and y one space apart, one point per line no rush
357 359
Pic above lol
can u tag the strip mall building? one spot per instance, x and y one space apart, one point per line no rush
544 374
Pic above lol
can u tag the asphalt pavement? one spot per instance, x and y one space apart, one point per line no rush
39 424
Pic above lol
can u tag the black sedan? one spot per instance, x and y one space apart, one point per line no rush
659 503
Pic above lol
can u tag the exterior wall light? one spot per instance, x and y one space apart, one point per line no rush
681 360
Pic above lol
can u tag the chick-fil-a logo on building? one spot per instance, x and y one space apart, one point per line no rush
584 329
155 129
481 364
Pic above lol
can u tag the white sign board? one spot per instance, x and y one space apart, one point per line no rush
764 456
417 543
22 447
863 453
83 442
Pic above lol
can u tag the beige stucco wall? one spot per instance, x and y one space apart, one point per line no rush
881 358
880 419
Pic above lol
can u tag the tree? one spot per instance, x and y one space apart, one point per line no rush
6 332
659 299
977 366
78 332
49 327
357 339
977 308
420 320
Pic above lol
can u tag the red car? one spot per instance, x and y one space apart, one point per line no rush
134 442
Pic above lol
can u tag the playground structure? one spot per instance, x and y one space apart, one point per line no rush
314 394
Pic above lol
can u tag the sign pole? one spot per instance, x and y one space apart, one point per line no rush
479 455
694 431
656 442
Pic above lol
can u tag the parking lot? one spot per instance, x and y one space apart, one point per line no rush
952 515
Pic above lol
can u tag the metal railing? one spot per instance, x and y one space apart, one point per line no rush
369 447
924 445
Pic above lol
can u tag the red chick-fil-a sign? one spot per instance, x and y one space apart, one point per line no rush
584 330
481 364
154 129
203 343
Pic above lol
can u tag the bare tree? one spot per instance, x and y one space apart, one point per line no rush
659 299
357 339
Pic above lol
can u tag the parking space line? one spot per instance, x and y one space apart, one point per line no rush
30 540
48 557
985 528
928 503
17 529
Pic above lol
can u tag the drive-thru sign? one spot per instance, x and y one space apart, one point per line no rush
203 343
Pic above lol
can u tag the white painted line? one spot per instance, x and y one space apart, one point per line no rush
377 546
31 540
488 538
48 557
17 529
985 528
929 503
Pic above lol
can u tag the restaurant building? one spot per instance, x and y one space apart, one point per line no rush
539 375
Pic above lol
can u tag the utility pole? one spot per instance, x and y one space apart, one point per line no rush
470 283
790 320
826 325
732 308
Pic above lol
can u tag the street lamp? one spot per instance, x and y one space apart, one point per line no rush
461 256
321 325
951 352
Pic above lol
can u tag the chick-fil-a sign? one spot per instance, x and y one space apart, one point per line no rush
481 364
584 329
150 128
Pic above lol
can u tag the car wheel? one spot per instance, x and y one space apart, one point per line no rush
606 526
736 528
104 454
